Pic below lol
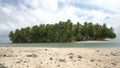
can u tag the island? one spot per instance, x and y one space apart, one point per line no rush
62 32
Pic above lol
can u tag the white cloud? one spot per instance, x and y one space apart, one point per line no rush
35 12
7 10
47 5
107 4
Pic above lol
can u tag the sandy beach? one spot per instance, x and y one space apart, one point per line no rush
29 57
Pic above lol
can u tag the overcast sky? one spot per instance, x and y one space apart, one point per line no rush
21 13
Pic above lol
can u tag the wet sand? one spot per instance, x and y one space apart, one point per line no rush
33 57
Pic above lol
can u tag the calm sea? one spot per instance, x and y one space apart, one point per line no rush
65 45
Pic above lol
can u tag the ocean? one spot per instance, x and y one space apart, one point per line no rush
65 45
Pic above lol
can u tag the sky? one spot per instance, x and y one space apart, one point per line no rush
16 14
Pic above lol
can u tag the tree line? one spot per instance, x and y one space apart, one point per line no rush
62 32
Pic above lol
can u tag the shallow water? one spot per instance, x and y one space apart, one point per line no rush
65 45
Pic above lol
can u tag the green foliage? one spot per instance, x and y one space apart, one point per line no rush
62 32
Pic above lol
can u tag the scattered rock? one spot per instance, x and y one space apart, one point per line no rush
29 55
51 58
96 64
32 55
27 66
113 63
79 60
97 50
62 60
38 66
70 54
46 49
58 65
115 54
79 56
71 57
55 62
2 66
92 60
0 55
74 60
25 61
99 60
56 54
107 67
5 55
18 62
106 55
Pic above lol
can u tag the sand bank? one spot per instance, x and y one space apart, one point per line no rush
28 57
97 42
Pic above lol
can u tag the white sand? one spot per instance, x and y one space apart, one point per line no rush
28 57
97 42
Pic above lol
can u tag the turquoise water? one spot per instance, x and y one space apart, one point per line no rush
65 45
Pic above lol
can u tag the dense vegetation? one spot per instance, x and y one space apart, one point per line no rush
62 32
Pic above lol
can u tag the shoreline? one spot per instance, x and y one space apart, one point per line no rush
37 57
89 41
